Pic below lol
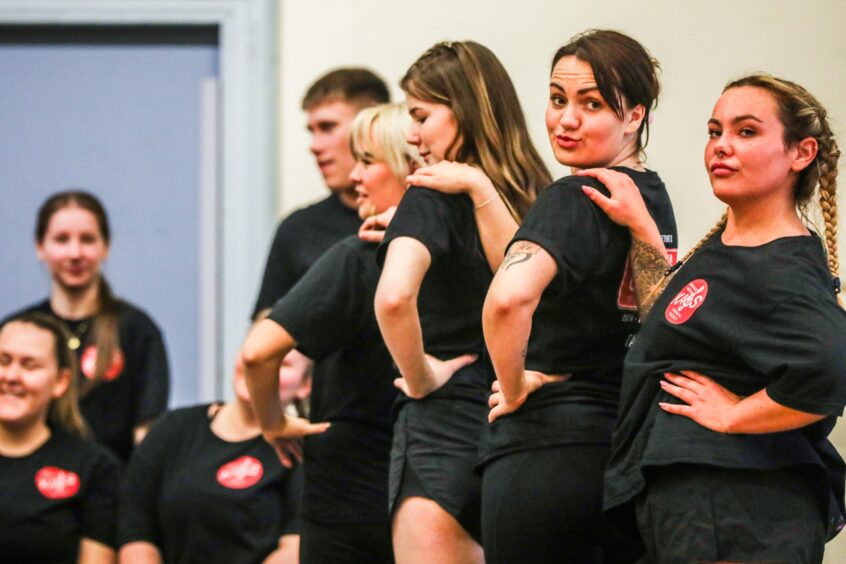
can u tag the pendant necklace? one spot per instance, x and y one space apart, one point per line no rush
75 337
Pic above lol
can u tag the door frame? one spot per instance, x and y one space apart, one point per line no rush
240 217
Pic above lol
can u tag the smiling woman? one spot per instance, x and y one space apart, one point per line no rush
58 489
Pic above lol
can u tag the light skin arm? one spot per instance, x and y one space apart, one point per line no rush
95 552
495 224
139 552
648 256
266 345
507 318
288 551
716 408
406 263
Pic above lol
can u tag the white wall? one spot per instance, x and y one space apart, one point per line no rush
700 44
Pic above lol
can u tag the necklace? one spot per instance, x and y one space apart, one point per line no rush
75 337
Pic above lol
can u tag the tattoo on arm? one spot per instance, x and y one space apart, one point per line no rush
520 251
648 267
525 350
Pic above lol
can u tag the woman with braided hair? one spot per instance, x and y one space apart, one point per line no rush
736 465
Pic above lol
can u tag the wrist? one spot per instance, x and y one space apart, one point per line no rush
516 389
483 193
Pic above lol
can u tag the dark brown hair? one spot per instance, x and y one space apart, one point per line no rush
359 87
63 411
625 73
468 78
105 328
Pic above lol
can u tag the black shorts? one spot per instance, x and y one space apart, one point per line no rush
345 543
695 513
434 452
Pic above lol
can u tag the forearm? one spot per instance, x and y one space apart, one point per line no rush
287 552
261 355
400 325
495 223
649 264
139 552
507 326
758 414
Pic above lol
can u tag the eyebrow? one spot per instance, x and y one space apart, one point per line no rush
736 120
580 92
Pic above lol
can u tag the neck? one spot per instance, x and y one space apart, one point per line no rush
21 441
759 221
236 421
74 304
347 197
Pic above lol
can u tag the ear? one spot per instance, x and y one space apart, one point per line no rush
635 118
806 152
62 384
39 251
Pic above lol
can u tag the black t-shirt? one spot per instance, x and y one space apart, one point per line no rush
52 498
453 290
751 318
330 315
585 319
300 240
200 498
135 388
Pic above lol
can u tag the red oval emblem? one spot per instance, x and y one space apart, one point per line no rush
241 473
686 302
88 364
55 483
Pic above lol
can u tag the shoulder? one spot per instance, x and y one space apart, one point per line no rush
132 316
72 448
39 307
180 420
795 267
318 212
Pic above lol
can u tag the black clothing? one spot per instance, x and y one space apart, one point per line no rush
134 391
436 439
300 240
64 491
329 313
692 513
583 323
350 543
521 521
199 498
750 318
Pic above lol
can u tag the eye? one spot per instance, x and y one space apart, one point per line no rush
29 364
5 360
747 132
61 238
366 161
557 100
88 238
714 133
593 104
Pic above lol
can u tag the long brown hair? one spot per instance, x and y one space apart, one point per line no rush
468 78
105 327
64 410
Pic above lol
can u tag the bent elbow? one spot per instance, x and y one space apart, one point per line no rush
252 355
393 304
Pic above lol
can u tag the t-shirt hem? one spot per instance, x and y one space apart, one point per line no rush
817 408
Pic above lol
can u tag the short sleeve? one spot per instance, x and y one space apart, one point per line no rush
281 271
325 310
423 215
153 373
292 494
137 518
801 348
570 228
99 506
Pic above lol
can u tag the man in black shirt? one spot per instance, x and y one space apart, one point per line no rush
330 103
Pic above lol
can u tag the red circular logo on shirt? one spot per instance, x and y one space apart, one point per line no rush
241 473
55 483
88 364
686 302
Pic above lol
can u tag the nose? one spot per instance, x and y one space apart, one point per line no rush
355 174
413 137
74 248
569 117
722 146
316 144
10 372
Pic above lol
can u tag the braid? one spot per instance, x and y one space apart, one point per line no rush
720 224
827 160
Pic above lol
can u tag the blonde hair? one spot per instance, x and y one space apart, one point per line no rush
63 411
381 132
802 116
468 78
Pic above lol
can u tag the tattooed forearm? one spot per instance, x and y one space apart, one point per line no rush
520 251
525 350
648 267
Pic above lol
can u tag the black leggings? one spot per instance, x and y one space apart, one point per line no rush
545 505
347 543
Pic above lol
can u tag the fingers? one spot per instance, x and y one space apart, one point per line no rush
676 391
604 175
495 400
316 428
677 409
697 377
495 386
283 457
371 236
605 203
494 413
459 362
402 385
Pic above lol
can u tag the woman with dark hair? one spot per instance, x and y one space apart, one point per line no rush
560 315
329 316
721 452
429 300
123 367
57 489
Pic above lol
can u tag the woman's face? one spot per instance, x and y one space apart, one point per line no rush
73 248
583 129
745 155
377 188
29 376
433 130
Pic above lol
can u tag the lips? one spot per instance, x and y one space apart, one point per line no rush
566 142
721 169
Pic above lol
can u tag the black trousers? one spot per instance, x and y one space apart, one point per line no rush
345 543
545 505
695 513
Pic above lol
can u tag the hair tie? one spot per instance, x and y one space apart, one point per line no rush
836 283
673 268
